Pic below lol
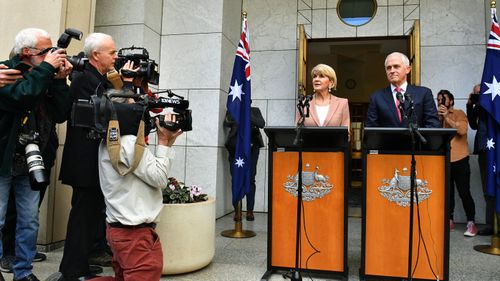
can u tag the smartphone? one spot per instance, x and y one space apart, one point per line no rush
443 100
23 67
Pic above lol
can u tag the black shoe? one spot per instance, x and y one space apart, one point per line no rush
6 263
30 277
39 257
487 231
250 216
94 270
59 277
103 259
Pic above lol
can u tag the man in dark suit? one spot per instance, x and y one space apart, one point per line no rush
383 109
79 162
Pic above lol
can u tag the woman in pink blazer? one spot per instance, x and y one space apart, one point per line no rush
325 108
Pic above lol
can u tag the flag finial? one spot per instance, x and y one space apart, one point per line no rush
244 14
493 4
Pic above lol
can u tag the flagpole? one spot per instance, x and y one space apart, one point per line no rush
238 231
494 248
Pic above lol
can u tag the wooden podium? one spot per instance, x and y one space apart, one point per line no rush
324 218
385 243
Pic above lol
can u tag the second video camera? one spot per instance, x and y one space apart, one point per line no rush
148 68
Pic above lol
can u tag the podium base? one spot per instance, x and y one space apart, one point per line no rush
493 249
238 232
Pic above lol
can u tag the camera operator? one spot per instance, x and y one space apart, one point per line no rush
79 162
137 253
30 108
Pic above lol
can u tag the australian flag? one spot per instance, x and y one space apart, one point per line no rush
238 105
490 101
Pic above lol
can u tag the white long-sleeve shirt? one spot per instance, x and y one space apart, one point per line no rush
136 197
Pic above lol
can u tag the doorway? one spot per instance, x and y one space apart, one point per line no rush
359 65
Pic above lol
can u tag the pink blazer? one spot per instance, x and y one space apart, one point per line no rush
338 114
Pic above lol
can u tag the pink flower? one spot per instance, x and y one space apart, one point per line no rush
195 190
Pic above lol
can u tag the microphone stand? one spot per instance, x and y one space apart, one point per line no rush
413 126
303 107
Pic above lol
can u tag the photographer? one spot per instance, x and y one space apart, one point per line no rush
79 162
137 253
459 158
30 108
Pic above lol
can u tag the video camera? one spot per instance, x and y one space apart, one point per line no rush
148 68
94 114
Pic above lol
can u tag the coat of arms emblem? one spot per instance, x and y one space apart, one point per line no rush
314 185
397 189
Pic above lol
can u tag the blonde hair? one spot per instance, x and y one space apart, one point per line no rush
327 71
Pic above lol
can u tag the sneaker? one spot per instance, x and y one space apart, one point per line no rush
39 257
452 225
6 263
30 277
471 229
95 269
103 259
1 277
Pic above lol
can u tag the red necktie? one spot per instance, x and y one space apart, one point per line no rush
398 90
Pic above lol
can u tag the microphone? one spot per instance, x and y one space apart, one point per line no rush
408 98
399 97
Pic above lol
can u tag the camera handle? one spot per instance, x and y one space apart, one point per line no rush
169 93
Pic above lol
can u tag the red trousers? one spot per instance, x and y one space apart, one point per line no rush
137 254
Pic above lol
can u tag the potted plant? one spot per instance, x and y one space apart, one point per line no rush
186 228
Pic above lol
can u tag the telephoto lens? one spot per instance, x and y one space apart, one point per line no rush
36 168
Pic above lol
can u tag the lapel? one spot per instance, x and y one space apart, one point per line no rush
312 112
334 104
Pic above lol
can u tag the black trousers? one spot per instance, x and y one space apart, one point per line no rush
490 200
85 220
460 177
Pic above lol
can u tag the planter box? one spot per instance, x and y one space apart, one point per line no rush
187 235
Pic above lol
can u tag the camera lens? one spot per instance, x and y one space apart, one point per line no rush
36 168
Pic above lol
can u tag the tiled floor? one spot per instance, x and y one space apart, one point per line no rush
245 259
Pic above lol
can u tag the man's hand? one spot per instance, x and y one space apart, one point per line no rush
8 76
64 70
166 137
127 68
56 58
443 110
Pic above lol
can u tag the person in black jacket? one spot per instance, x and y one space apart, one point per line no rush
29 109
79 162
478 117
256 123
383 110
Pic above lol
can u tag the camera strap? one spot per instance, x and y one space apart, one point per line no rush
115 78
114 146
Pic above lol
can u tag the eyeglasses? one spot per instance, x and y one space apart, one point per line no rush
43 51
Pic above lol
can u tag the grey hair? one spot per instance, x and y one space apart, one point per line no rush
94 42
405 59
28 38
